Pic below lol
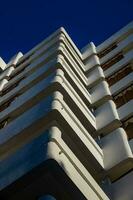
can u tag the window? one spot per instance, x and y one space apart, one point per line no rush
124 96
23 60
7 103
107 50
18 72
5 91
4 106
119 74
4 123
112 61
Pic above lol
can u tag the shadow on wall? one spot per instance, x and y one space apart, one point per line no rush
32 172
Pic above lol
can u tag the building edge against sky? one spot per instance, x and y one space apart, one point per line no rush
66 119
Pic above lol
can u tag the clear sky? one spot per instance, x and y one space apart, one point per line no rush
26 23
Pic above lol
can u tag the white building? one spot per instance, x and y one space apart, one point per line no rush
66 118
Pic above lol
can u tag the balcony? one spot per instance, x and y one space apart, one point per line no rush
14 60
117 164
24 84
107 118
95 76
88 50
52 110
59 36
6 73
2 65
74 80
100 94
91 62
24 101
3 82
48 151
55 82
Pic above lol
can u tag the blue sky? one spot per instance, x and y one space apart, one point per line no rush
25 23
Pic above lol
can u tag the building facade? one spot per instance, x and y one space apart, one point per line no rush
66 117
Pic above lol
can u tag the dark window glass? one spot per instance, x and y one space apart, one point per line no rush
119 74
107 50
112 61
124 96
